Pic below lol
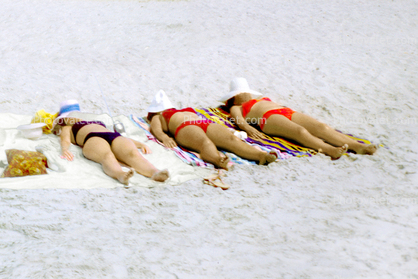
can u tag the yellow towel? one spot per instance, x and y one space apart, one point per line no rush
44 117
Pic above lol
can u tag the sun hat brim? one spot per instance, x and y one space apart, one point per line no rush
159 103
155 109
231 94
71 114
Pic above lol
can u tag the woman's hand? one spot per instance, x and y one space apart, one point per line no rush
68 155
65 141
169 142
144 148
254 133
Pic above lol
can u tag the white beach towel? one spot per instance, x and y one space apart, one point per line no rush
83 173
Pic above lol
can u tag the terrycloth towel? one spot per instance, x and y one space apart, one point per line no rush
220 116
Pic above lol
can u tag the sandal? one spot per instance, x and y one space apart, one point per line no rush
213 180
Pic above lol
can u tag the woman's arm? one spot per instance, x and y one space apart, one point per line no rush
239 120
157 130
65 140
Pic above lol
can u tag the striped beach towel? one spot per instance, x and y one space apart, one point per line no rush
220 116
185 155
193 158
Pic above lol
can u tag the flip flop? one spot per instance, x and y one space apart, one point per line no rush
215 180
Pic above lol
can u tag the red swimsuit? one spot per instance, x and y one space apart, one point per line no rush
202 123
246 108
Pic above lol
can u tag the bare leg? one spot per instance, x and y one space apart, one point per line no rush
98 150
125 151
323 131
224 139
194 138
279 125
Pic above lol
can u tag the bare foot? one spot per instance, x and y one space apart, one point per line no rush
268 158
125 176
338 152
161 176
224 163
367 149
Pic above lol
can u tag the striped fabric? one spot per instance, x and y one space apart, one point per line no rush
185 155
287 147
192 158
220 116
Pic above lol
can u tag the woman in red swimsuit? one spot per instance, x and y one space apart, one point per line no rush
186 128
103 146
277 120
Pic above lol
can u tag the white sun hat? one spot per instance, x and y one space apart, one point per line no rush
31 131
160 102
238 85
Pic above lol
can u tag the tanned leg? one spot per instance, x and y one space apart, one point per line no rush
194 138
323 131
224 139
279 125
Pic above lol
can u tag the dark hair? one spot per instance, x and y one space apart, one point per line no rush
61 122
228 104
150 115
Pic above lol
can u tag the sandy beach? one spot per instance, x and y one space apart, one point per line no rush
350 64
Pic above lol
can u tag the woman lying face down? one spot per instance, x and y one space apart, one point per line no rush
277 120
101 145
184 127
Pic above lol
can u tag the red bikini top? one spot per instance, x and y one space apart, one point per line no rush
246 107
167 114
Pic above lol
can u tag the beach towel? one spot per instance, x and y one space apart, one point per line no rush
83 173
220 116
185 155
193 158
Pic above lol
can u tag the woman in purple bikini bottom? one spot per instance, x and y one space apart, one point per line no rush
103 146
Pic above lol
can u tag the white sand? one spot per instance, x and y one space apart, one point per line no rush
351 64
